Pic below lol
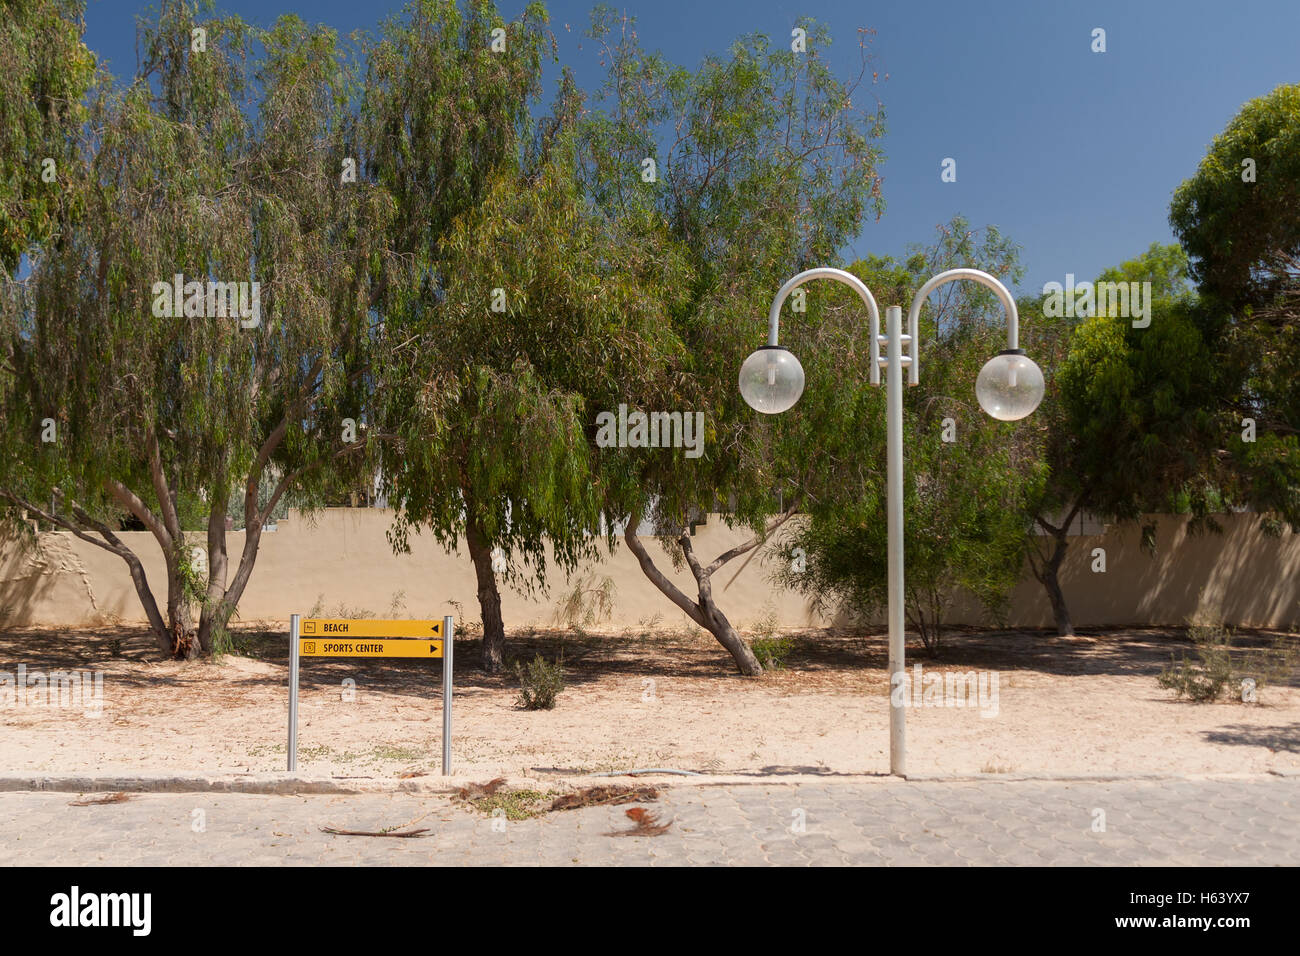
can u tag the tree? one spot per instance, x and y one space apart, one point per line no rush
511 308
756 165
1126 424
218 165
1236 217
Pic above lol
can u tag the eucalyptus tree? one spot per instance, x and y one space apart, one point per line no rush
508 310
756 164
203 326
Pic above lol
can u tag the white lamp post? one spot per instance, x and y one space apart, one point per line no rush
1009 387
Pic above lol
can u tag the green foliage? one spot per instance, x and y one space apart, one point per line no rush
46 72
1129 411
1241 235
520 804
1137 413
1220 667
1204 680
764 165
772 651
1128 423
588 601
540 683
1244 241
193 585
485 417
222 643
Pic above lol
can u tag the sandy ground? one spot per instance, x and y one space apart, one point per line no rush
1083 705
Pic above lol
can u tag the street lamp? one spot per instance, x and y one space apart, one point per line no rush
1008 387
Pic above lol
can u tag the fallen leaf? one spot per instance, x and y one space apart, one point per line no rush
477 791
647 824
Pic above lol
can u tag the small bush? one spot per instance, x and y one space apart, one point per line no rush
222 643
1201 681
1205 679
540 683
465 628
772 651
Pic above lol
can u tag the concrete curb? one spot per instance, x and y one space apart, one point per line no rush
243 783
1099 777
289 785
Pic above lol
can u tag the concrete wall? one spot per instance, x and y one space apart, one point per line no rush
341 557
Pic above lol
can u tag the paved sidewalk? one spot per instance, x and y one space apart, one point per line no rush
1173 822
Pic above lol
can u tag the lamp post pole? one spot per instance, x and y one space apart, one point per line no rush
894 519
761 388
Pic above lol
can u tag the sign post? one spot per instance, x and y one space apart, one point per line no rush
448 628
337 637
293 692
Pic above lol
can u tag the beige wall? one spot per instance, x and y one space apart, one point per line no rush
342 557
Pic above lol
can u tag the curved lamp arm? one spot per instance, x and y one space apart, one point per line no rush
850 280
952 275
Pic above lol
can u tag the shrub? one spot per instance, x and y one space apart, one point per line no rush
1206 678
1203 681
772 651
540 683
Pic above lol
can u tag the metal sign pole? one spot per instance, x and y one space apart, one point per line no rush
448 629
293 692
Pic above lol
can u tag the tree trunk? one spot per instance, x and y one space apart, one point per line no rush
180 621
1047 570
145 593
1051 583
704 612
171 536
213 614
489 599
716 623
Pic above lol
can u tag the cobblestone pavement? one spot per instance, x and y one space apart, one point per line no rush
1170 822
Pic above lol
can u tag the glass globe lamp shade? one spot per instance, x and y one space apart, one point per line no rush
771 380
1009 386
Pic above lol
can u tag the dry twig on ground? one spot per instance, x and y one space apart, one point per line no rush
603 796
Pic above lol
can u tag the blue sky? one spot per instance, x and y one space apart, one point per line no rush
1073 154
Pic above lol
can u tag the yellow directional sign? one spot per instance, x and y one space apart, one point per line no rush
338 627
367 647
